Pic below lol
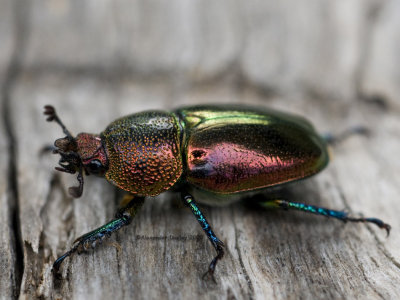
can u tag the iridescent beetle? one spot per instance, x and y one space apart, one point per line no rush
200 150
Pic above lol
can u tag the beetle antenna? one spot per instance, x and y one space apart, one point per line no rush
50 111
67 148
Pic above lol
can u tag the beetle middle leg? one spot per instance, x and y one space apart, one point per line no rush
124 216
218 245
337 214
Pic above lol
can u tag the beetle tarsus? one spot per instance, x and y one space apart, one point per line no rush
213 264
218 245
337 214
56 266
89 240
92 238
375 221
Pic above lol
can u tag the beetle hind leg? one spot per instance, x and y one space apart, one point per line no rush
332 139
340 215
218 245
89 240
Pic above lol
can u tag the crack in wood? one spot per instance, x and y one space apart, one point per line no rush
19 9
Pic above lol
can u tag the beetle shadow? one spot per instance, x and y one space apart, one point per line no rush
304 191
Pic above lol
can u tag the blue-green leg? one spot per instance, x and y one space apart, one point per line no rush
123 217
341 215
338 138
218 245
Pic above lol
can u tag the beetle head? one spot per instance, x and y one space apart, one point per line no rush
83 153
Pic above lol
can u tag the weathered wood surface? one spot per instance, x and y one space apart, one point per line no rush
335 62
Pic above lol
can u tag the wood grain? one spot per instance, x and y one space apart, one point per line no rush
100 60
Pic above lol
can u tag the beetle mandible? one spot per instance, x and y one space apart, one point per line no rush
204 150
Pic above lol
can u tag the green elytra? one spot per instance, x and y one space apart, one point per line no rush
217 153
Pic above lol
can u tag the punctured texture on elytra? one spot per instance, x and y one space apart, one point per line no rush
235 150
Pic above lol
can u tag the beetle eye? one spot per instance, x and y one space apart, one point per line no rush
95 167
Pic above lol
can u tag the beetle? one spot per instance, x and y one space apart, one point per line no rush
214 154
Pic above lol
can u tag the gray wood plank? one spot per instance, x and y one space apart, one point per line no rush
379 80
8 280
262 41
164 253
96 62
10 258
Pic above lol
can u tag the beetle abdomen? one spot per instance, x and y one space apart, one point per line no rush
246 149
144 152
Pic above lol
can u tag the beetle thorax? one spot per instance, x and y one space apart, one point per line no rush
144 152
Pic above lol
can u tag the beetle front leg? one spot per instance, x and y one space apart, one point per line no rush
218 245
337 214
123 217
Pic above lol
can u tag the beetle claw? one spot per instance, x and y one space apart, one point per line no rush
209 274
388 228
385 226
56 266
377 222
